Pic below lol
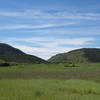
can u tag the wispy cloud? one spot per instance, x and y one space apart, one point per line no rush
35 26
47 15
49 41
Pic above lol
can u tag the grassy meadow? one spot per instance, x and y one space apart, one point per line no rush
50 82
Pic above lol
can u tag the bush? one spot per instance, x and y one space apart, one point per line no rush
70 65
4 64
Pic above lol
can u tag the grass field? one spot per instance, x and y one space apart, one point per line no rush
50 82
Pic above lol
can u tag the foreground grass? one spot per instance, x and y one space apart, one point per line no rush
44 89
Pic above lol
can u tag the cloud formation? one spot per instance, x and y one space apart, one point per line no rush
38 14
43 26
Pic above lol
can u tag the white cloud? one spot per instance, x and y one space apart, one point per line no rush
26 26
70 31
43 26
48 41
57 15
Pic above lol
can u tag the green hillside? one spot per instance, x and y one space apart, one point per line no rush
11 54
77 56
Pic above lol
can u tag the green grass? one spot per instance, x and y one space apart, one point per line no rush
89 71
50 82
51 67
43 89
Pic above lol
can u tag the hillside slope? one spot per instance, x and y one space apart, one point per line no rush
77 56
11 54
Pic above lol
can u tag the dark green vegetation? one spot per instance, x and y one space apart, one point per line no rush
10 54
77 56
50 82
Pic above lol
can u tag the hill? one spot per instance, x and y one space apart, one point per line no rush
77 56
11 54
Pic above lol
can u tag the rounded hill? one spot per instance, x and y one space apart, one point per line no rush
11 54
77 56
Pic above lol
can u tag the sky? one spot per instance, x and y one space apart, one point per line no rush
45 28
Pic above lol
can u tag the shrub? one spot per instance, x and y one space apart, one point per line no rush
70 65
4 64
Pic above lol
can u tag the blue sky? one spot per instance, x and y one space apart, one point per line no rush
47 27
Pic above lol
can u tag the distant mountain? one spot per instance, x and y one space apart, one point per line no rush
11 54
77 56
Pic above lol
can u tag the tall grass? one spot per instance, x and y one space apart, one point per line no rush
46 89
